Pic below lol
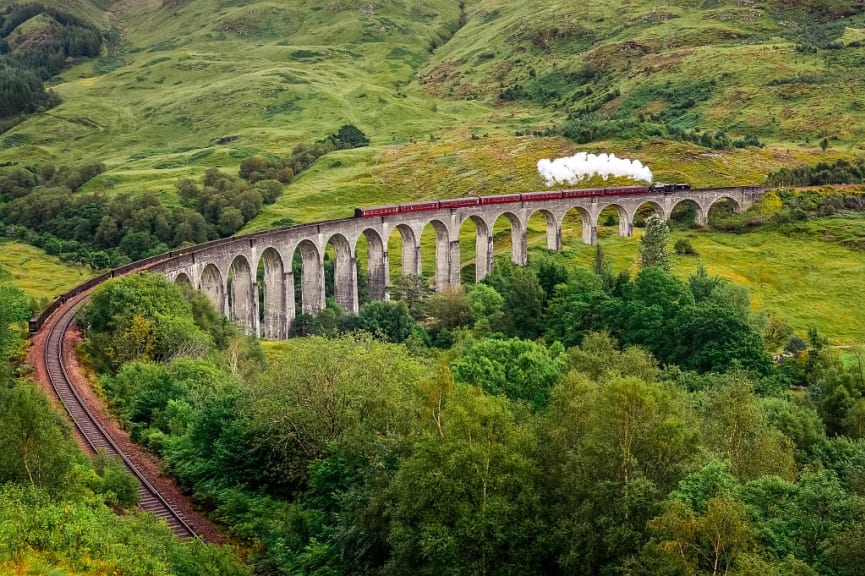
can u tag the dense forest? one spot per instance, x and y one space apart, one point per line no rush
552 419
42 205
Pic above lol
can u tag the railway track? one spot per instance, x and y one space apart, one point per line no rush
95 435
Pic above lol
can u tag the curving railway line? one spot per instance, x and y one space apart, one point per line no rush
93 433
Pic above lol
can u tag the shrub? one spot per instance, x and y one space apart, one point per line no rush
683 247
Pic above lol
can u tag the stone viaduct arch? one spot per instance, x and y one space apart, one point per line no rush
229 271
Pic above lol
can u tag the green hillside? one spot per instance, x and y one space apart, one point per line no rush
456 97
186 85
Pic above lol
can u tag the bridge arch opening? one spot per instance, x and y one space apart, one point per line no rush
436 233
340 273
644 210
720 212
213 287
241 298
543 223
476 250
272 300
308 268
687 214
577 224
509 231
613 217
182 280
403 253
372 284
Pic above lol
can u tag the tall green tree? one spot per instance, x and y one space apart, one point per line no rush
603 268
318 394
468 500
653 244
141 317
35 446
736 428
523 308
610 452
517 369
414 290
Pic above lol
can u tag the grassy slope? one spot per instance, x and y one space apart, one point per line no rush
189 73
763 85
39 275
806 280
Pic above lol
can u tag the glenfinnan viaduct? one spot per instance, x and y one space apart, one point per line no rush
226 270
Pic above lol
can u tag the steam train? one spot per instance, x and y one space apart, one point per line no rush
658 188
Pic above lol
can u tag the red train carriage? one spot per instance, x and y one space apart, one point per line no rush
582 193
419 206
625 190
525 197
501 199
540 196
377 211
458 203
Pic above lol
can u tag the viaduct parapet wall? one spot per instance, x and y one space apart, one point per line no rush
227 270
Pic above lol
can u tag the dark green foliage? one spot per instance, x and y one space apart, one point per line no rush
141 317
257 168
414 290
716 140
576 307
101 232
603 269
701 284
523 306
684 248
23 70
490 521
389 321
36 447
349 136
840 172
44 534
348 456
22 92
550 274
710 337
517 369
118 485
653 244
14 310
90 228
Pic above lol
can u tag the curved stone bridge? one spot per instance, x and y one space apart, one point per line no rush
227 270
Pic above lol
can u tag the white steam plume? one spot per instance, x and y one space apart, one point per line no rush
584 165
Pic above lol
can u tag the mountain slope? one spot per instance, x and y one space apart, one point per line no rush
448 89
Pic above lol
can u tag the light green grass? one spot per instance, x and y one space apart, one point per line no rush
805 280
273 76
39 275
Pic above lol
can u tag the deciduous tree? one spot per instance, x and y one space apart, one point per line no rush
653 244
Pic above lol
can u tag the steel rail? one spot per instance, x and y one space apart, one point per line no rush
94 434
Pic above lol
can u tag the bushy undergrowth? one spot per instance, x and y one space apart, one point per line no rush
60 512
570 403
